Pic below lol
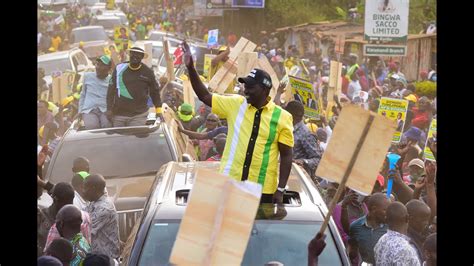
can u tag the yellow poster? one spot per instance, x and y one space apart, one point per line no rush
303 92
122 38
396 110
207 64
431 135
110 4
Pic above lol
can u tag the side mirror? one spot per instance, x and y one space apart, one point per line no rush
186 158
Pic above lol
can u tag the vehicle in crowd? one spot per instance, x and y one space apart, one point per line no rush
94 39
117 13
74 60
128 158
280 233
157 35
94 10
109 22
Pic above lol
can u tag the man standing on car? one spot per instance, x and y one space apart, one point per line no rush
93 101
131 84
254 122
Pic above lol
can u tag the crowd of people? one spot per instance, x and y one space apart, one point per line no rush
81 226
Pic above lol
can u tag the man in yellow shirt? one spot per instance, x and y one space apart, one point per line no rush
56 41
258 131
217 62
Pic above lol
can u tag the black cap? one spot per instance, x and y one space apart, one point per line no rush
257 76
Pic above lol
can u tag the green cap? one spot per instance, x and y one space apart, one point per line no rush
83 174
186 108
104 59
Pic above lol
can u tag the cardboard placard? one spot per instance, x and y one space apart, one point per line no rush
115 57
394 109
188 93
427 154
213 38
303 92
227 73
217 234
342 146
169 61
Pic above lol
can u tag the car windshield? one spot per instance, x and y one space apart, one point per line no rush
113 156
283 241
157 51
51 66
87 35
109 23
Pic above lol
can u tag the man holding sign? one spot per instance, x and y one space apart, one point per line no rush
256 123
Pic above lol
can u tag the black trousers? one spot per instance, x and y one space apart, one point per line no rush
266 198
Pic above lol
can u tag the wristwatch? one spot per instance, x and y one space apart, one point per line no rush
282 190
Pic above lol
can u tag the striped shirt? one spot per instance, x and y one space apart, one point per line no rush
251 150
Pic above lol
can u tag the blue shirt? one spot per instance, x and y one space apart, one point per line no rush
213 133
94 93
366 237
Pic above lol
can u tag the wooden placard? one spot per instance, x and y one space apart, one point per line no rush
217 234
115 57
148 47
227 73
184 144
263 63
245 63
169 61
94 51
347 132
188 93
62 86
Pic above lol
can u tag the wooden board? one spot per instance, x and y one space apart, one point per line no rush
341 147
182 141
169 61
115 57
149 52
189 95
227 73
218 233
62 86
94 51
245 63
263 63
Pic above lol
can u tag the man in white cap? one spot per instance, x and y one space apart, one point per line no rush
131 84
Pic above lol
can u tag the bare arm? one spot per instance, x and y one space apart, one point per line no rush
220 57
403 191
280 91
430 187
192 134
199 88
286 157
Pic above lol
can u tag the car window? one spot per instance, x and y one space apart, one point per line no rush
157 51
113 156
51 66
154 36
81 59
283 241
87 35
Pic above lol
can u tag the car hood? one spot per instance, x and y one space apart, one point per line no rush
128 193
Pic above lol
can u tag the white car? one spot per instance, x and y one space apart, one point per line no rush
94 39
117 13
109 22
74 60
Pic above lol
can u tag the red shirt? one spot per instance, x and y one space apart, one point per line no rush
421 119
345 85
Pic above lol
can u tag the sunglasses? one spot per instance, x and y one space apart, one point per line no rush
212 120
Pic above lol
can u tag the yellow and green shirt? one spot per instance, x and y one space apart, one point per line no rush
251 150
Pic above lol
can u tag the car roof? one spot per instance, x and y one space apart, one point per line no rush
88 27
73 134
181 178
107 17
55 55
